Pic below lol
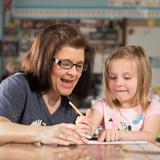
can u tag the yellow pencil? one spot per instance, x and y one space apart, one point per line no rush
75 108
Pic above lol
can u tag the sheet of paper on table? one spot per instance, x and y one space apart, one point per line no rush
117 142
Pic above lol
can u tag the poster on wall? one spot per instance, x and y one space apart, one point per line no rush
155 61
8 48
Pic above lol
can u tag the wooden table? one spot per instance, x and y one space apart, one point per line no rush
80 152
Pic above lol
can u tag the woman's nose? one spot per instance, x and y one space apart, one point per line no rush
73 70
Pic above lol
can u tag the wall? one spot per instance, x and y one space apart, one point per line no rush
1 32
149 38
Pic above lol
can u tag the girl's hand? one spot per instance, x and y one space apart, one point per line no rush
85 125
110 135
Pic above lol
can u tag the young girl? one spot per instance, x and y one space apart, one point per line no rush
129 112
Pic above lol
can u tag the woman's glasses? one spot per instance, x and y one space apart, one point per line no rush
65 64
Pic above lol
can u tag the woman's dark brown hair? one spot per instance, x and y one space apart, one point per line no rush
38 62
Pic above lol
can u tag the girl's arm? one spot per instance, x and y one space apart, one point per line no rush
149 133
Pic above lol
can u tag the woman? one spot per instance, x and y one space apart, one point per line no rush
33 104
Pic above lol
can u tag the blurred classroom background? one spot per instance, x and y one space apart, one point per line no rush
107 24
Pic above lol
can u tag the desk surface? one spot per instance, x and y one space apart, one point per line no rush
80 152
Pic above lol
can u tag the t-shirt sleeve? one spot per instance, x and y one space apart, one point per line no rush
12 98
154 107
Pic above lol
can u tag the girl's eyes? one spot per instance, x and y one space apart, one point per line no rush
112 77
126 78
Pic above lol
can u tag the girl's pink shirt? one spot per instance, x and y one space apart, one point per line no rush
131 119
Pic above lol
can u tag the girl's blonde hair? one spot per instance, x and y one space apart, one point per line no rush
137 55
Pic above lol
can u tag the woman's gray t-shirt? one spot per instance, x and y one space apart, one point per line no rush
20 104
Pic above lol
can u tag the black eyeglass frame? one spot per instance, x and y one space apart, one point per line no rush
70 65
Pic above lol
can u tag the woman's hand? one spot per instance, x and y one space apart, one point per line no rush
85 125
110 135
62 134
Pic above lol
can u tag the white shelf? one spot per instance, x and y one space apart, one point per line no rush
43 13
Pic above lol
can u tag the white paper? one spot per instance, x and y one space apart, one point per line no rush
117 142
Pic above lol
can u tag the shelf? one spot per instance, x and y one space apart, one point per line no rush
53 13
